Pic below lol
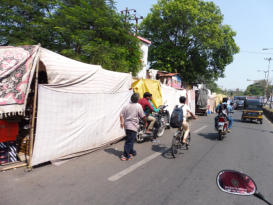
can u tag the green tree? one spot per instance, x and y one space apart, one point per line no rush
213 87
90 31
258 89
188 37
24 22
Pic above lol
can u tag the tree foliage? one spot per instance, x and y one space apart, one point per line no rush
188 37
213 87
87 30
258 89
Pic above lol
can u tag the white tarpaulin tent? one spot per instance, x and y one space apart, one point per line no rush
170 97
78 109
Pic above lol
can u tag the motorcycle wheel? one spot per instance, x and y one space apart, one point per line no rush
139 138
166 119
220 135
161 130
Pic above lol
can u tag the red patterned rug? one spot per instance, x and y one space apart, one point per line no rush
16 70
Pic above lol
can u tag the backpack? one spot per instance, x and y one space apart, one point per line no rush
176 117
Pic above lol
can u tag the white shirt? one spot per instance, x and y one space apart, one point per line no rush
131 114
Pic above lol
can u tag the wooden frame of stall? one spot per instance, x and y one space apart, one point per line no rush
30 142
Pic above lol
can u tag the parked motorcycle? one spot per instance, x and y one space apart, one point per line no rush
222 126
161 123
234 182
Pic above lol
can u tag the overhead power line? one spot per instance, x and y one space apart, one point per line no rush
255 52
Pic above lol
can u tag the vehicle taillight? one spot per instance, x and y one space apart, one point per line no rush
221 119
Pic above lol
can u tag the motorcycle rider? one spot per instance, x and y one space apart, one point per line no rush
186 113
156 126
148 108
226 109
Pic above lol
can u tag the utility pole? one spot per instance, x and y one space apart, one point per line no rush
127 13
269 59
130 14
136 19
268 70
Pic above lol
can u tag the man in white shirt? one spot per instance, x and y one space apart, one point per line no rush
186 113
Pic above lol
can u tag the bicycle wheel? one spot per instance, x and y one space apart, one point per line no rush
175 144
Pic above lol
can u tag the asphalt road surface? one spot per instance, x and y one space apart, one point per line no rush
153 176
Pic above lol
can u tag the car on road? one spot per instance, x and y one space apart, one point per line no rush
253 110
239 102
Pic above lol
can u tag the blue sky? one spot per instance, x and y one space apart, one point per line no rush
252 20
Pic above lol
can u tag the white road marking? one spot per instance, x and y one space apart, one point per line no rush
133 167
140 163
201 128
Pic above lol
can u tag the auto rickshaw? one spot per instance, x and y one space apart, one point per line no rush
253 110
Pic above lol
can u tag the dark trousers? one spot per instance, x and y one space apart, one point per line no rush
129 143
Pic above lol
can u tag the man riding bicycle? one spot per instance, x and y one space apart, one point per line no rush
186 113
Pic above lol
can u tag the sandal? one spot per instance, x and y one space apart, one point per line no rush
123 158
130 157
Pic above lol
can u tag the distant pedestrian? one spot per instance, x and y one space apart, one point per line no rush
129 119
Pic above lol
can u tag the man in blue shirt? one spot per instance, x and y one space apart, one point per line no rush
227 111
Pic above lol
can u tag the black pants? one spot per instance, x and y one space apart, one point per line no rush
129 143
216 121
156 127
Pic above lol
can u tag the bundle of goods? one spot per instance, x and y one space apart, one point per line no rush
8 152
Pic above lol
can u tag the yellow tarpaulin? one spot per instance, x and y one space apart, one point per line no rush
219 98
151 86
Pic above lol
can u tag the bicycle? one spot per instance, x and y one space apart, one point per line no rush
177 141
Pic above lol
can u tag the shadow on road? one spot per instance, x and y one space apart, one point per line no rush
115 152
237 120
246 121
166 151
42 165
211 136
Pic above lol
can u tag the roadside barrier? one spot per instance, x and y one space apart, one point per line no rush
268 113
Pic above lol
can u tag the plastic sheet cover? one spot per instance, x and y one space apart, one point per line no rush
71 122
151 86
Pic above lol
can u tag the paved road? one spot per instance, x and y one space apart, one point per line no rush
153 176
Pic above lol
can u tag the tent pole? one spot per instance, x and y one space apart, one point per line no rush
13 166
33 116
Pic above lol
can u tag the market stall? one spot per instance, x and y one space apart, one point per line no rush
78 104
